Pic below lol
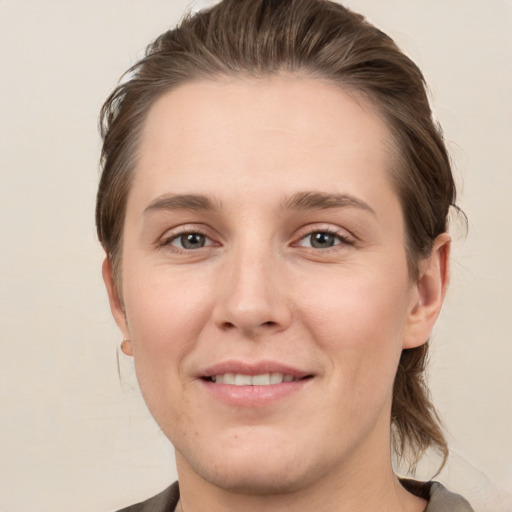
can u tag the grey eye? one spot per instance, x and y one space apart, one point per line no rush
322 240
190 241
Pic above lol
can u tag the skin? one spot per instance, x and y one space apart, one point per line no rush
258 290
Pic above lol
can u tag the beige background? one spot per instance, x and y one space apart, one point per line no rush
73 436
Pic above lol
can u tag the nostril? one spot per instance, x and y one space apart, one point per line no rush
251 329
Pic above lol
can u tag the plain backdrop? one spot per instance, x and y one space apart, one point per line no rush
76 436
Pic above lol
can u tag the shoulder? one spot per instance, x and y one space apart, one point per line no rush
163 502
439 498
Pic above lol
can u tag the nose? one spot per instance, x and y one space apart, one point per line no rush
251 295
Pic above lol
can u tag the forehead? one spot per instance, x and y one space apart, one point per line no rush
274 132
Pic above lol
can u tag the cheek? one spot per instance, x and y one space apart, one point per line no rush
358 317
161 303
166 313
355 302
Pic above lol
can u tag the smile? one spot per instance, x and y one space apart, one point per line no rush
253 384
264 379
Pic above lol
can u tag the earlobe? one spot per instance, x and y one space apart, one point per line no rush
126 347
431 286
116 305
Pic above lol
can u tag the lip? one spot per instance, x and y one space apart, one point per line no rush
253 368
253 396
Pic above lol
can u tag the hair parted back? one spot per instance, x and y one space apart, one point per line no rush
316 38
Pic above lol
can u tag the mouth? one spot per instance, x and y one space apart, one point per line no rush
253 384
262 379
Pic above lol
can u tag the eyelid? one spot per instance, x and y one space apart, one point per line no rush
164 241
171 241
344 236
172 234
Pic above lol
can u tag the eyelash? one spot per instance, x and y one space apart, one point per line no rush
167 241
340 239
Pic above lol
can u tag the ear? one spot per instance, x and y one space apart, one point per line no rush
116 305
430 289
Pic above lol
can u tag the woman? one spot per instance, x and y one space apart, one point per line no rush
273 207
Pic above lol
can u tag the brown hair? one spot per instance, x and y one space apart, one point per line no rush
322 39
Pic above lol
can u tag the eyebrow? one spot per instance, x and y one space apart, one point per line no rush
299 201
194 202
322 200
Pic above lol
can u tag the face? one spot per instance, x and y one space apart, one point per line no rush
265 287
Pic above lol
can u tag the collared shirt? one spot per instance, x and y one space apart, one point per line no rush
438 497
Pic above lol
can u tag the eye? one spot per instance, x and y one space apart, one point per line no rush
322 240
189 241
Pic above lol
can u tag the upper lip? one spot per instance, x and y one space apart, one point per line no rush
252 368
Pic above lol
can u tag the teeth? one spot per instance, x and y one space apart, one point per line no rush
240 379
243 380
276 378
261 380
228 378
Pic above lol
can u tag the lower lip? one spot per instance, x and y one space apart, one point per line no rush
253 396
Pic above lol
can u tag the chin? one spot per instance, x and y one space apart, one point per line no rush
257 481
256 470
